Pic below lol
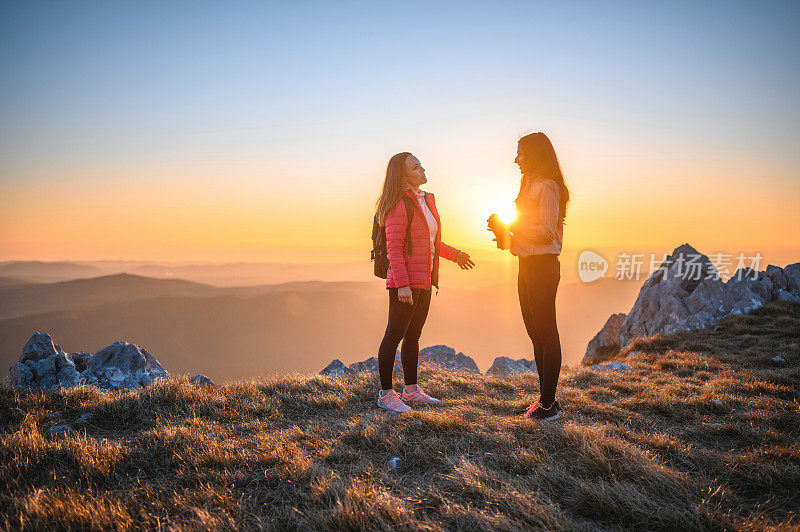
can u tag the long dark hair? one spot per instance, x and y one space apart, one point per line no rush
393 186
540 162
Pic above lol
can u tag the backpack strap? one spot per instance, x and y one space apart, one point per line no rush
409 216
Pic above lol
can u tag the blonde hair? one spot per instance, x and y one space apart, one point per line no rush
393 186
540 162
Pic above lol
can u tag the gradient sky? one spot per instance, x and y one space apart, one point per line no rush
245 131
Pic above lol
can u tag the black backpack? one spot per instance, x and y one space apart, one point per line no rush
378 254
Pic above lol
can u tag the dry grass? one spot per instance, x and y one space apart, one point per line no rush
702 433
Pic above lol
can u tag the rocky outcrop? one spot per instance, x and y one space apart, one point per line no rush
507 366
123 365
530 364
440 355
611 366
606 342
335 369
120 366
686 292
446 357
202 380
368 365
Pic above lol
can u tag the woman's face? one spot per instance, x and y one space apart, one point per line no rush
415 173
520 158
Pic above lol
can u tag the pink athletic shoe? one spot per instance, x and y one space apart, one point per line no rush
391 402
419 396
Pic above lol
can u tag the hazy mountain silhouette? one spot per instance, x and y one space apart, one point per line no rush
80 294
217 274
46 272
239 332
8 282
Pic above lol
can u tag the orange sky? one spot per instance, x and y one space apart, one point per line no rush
219 212
153 135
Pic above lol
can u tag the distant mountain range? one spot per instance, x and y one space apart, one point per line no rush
217 274
232 333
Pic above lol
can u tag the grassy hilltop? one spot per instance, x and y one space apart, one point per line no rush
701 433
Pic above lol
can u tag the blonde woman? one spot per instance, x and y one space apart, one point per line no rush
536 237
410 276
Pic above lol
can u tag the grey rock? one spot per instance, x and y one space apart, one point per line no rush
123 365
507 366
611 366
69 377
81 360
686 293
21 375
60 430
777 276
45 365
440 355
778 359
633 354
43 368
447 358
792 273
394 463
718 403
530 364
88 377
371 364
606 341
783 295
39 346
47 382
85 418
202 380
366 366
335 369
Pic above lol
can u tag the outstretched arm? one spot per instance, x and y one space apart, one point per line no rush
459 257
448 252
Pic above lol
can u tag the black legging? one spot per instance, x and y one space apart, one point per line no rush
537 284
405 323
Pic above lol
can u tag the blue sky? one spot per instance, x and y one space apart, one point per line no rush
296 96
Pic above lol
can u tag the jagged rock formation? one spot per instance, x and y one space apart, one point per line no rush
202 380
507 366
440 355
530 364
119 366
686 292
448 358
335 369
123 365
611 366
606 341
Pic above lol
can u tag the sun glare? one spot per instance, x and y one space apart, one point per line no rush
507 213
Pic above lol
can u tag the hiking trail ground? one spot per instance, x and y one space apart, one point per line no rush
701 433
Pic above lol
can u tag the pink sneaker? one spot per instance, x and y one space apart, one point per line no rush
419 396
391 402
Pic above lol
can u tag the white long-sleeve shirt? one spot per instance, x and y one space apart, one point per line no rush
538 229
430 218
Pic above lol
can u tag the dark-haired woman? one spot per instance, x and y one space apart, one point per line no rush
536 237
409 278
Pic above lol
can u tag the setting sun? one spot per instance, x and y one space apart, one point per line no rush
507 213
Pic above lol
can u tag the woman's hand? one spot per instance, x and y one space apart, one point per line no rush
463 260
501 233
404 295
502 243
